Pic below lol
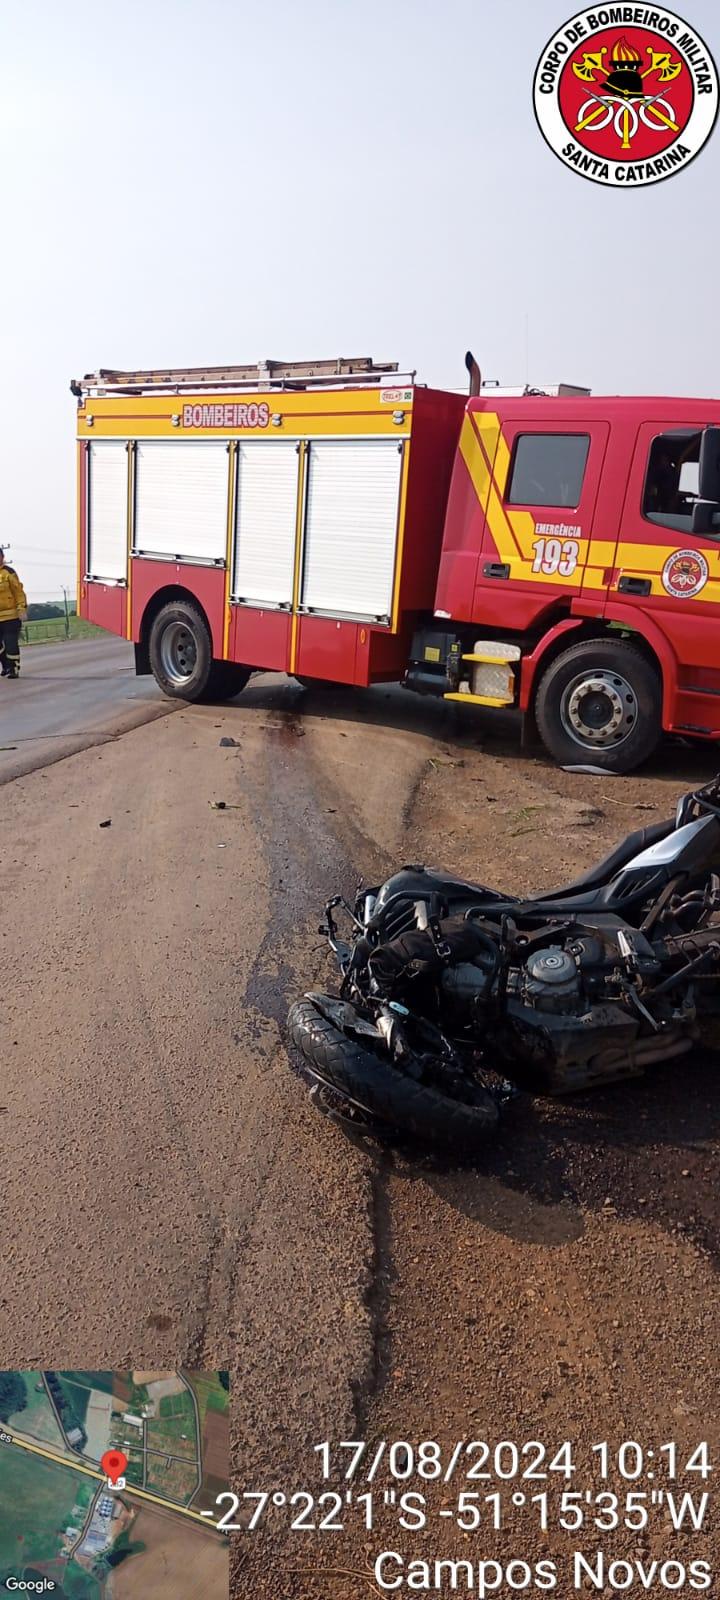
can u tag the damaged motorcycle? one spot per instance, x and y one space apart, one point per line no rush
454 994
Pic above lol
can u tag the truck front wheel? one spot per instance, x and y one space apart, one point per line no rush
600 704
180 650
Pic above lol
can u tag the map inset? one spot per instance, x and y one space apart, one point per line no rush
153 1532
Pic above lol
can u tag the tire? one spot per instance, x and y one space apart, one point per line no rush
227 679
385 1092
318 683
180 650
180 636
600 703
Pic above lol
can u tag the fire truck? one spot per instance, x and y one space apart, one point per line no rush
338 521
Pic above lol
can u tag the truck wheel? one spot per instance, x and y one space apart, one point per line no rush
227 679
317 683
180 651
600 703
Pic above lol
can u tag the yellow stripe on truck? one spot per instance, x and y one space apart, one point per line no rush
487 457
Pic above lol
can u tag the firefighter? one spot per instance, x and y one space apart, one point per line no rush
13 612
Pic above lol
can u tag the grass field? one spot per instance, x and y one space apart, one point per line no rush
77 1397
177 1417
176 1479
52 630
177 1405
38 1418
91 1380
213 1404
165 1433
78 1584
209 1393
37 1498
134 1471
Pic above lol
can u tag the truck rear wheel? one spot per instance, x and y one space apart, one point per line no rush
600 703
181 659
227 679
317 683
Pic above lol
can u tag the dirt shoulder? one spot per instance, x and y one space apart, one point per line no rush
565 1287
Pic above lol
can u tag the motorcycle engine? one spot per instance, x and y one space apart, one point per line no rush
550 981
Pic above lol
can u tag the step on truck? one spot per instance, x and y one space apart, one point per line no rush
556 552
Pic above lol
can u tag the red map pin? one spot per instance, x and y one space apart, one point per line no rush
113 1464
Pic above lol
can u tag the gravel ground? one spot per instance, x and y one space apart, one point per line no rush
171 1196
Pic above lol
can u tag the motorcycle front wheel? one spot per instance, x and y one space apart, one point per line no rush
380 1088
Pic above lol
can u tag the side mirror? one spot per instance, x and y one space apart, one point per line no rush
709 473
706 517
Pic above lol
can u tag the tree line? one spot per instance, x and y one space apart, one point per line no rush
43 610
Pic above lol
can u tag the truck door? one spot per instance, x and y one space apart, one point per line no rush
539 515
661 566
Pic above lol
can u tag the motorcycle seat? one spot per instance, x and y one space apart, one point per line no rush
600 874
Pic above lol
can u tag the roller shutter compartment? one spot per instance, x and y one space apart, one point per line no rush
107 511
351 527
265 523
181 493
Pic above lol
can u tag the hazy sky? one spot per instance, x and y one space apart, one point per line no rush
189 182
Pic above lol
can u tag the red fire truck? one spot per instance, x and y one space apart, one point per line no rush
341 522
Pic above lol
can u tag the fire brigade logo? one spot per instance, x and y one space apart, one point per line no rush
626 95
684 574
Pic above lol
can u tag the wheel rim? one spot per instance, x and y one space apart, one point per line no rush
599 710
178 652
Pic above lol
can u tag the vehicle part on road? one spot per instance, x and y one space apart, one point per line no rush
423 1106
180 651
343 524
447 984
602 697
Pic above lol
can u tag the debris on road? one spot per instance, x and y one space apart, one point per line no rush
411 1077
592 772
589 816
229 744
222 805
106 824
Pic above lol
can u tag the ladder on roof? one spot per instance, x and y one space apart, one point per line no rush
345 370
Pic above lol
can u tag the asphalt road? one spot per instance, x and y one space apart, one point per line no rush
171 1197
69 696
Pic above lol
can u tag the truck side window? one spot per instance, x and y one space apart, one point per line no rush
671 482
548 469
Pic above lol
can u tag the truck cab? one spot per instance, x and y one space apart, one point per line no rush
576 550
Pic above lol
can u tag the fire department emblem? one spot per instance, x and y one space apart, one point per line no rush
684 574
626 95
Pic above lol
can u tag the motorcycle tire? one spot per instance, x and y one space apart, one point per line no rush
383 1091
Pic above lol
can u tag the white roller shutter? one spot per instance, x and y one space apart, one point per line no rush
265 522
181 500
351 527
107 510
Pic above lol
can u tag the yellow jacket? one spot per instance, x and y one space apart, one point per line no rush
12 595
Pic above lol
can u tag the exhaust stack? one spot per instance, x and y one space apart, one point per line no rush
474 372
